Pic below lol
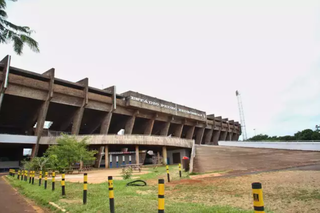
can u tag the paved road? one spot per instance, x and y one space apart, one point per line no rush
11 201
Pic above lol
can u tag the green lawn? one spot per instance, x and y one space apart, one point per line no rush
127 199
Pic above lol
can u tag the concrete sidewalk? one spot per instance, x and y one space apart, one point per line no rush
11 201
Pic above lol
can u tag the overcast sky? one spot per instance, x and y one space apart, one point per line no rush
195 53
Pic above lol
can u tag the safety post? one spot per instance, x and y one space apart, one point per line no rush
180 169
53 180
13 172
258 204
22 174
45 180
30 176
161 196
10 172
111 194
168 175
33 174
85 187
18 176
40 177
63 184
26 176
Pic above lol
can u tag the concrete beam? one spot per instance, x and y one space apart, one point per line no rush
149 127
43 111
129 125
106 123
76 125
215 137
165 129
190 132
199 135
178 131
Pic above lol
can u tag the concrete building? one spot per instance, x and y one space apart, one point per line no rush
37 108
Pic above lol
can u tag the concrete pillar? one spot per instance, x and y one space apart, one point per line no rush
215 137
178 131
106 156
5 75
158 157
164 155
43 111
104 129
77 119
223 136
137 155
190 132
99 157
79 113
230 136
149 127
208 136
165 129
129 125
199 135
235 137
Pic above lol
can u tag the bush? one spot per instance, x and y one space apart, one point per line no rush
126 173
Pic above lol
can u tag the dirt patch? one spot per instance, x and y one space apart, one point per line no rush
70 201
144 192
205 176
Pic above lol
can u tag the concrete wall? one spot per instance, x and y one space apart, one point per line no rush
183 152
311 146
241 159
128 139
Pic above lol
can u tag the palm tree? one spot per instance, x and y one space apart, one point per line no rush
19 35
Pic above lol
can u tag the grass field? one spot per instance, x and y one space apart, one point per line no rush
127 199
284 191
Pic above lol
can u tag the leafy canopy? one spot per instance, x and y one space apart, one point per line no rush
19 35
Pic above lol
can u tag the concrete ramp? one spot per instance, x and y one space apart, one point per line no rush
240 159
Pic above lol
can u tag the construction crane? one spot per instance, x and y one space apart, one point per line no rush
241 114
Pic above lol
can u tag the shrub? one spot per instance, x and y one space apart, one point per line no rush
126 173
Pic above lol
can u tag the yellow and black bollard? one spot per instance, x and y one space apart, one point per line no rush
258 203
85 187
180 169
63 184
161 196
18 176
13 172
111 194
33 174
45 180
22 174
10 172
30 176
40 177
26 176
53 180
168 175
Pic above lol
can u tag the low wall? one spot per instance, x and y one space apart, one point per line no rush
308 146
127 139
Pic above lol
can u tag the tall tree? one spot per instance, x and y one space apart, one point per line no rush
19 35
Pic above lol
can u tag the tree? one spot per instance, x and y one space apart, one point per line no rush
68 152
19 35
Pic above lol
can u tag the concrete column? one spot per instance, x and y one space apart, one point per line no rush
158 157
190 132
149 127
165 129
99 157
5 75
215 138
104 129
235 137
223 136
43 111
164 155
199 135
178 131
137 155
79 113
106 156
77 119
129 125
208 136
230 136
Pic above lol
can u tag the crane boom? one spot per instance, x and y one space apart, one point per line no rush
241 114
